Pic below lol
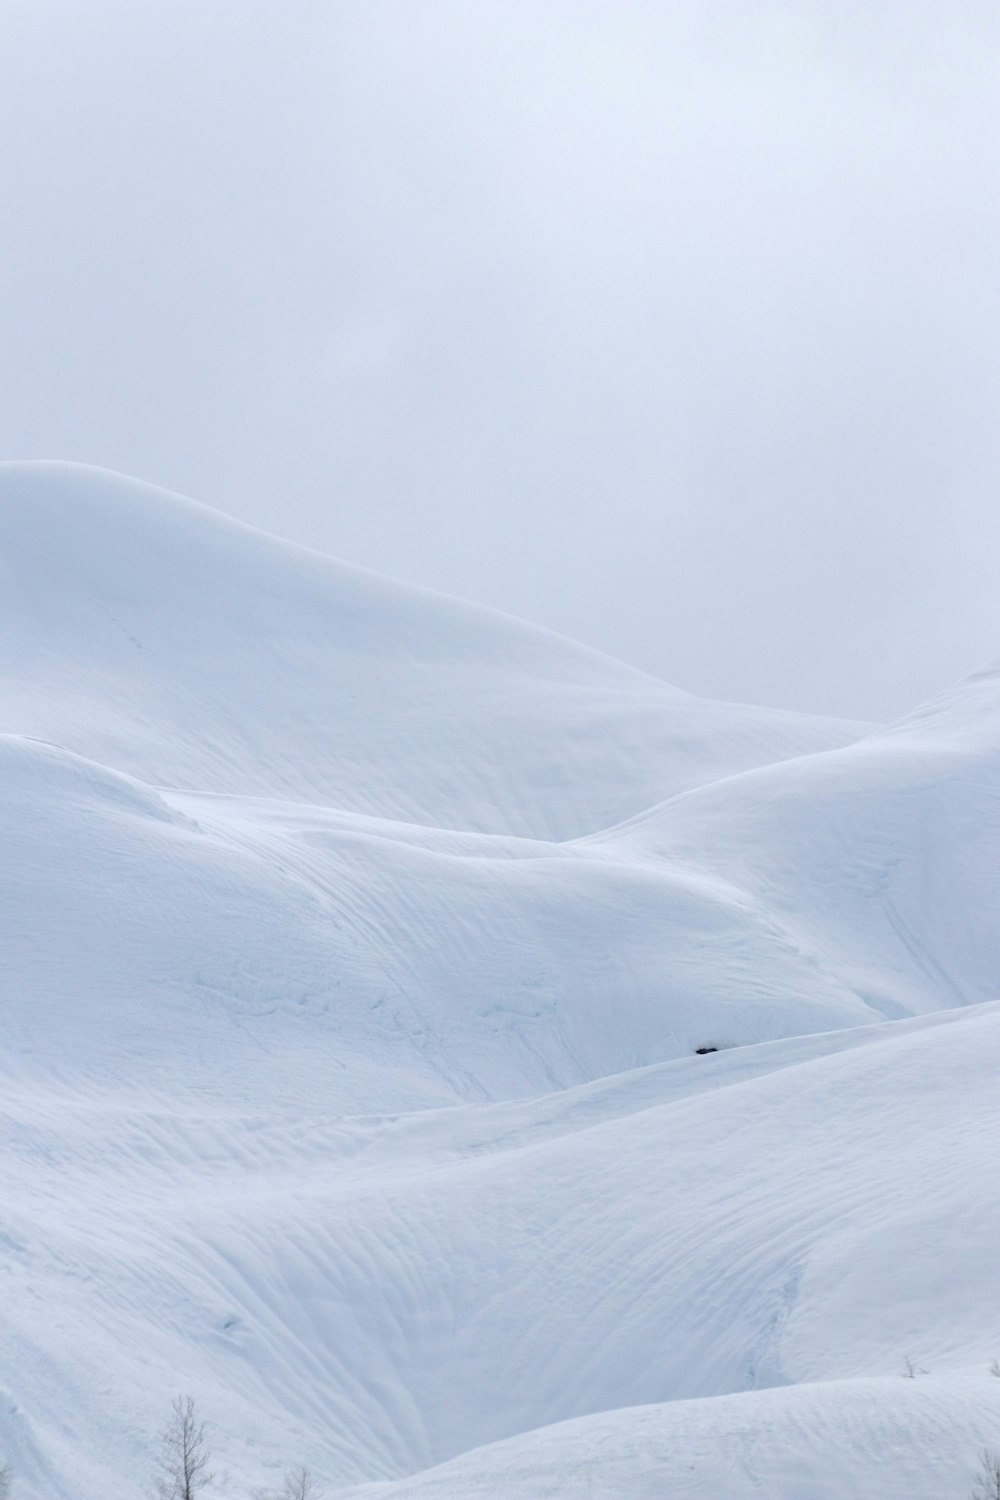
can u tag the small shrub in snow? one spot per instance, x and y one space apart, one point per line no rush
299 1485
987 1483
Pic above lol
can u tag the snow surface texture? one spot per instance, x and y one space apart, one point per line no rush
356 945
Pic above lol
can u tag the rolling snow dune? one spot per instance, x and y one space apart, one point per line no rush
822 1442
880 855
155 636
381 1294
355 945
300 954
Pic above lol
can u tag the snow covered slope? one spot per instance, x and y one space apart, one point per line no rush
163 639
744 1247
355 945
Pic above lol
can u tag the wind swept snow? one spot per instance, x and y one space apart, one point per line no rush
357 943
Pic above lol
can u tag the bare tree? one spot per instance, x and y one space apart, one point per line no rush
995 1367
299 1485
6 1480
910 1370
987 1485
185 1457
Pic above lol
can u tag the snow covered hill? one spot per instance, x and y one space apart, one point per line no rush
357 943
162 639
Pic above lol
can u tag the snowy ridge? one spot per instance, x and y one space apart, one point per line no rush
158 637
356 945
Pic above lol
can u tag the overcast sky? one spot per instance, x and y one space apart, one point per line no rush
672 326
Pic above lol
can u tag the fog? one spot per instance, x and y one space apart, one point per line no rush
671 326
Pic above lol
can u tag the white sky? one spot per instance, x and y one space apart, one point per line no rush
672 326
